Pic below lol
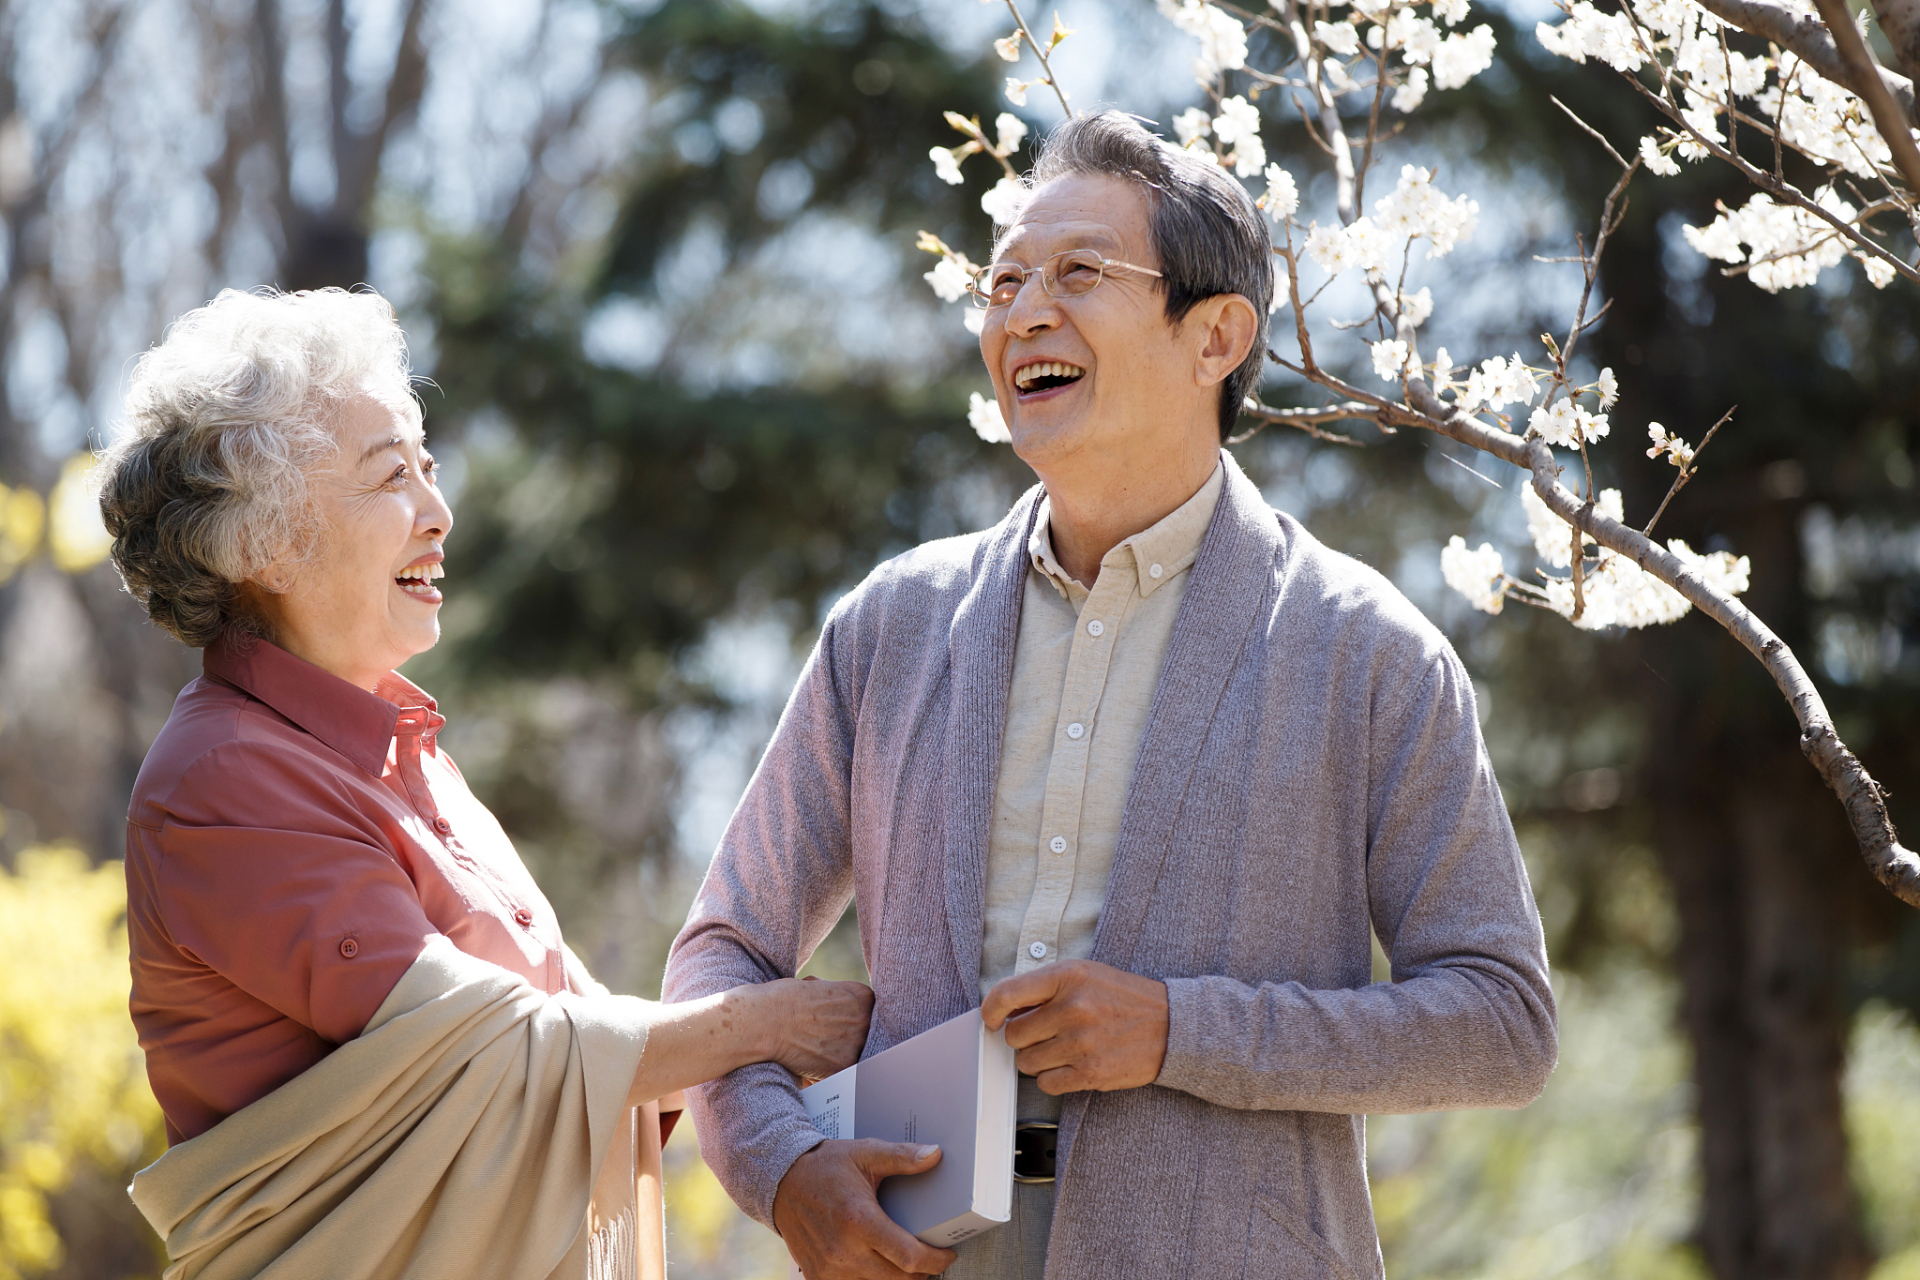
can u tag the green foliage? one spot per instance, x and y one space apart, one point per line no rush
843 105
74 1101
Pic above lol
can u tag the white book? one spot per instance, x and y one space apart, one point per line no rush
954 1086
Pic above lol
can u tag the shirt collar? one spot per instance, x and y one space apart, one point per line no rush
357 724
1172 544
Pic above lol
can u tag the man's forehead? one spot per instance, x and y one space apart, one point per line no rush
1076 212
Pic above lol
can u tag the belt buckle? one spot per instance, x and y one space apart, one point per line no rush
1033 1150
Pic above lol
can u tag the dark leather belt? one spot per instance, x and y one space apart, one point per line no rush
1033 1146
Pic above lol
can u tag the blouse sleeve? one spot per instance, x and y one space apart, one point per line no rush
305 913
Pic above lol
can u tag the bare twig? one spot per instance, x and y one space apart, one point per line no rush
1307 420
1686 472
1046 67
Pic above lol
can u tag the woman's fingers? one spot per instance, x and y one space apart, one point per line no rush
824 1025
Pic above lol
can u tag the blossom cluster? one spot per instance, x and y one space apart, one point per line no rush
1614 591
1788 247
1413 210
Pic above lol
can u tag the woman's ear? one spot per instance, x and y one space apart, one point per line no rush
1226 325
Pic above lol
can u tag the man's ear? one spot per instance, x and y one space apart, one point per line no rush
1226 325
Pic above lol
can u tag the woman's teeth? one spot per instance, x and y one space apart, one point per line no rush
1045 376
418 580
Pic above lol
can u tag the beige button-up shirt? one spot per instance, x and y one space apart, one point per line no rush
1084 671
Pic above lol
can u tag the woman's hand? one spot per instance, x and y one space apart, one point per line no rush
811 1028
815 1028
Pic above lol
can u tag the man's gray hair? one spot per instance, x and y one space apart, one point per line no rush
226 419
1208 235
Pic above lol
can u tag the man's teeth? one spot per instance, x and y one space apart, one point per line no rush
1052 369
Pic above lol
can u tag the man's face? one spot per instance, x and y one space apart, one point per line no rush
1136 371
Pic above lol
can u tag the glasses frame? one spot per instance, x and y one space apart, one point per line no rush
979 288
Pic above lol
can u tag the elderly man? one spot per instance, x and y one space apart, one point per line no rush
1137 771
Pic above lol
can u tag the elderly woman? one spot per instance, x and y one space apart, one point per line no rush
375 1054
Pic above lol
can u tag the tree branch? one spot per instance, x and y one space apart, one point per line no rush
1900 23
1864 74
1892 864
1810 40
1772 185
360 164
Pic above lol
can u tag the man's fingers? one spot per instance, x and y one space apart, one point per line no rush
1059 1081
880 1160
1026 991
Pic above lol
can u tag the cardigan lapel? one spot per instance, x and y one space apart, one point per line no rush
1231 578
980 650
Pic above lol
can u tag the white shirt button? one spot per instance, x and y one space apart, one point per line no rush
1095 627
1154 571
1058 844
1038 951
1076 731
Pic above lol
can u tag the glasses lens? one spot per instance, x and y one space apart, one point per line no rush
997 285
1072 273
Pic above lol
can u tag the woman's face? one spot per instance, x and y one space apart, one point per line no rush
366 603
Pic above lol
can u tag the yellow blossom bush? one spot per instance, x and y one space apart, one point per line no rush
73 1087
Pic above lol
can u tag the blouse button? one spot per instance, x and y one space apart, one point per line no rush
349 948
523 918
442 826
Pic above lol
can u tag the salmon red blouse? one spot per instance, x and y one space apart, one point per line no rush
292 843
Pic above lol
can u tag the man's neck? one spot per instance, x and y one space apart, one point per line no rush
1093 514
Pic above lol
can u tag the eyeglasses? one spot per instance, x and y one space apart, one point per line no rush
1065 275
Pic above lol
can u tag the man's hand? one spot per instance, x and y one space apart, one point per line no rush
833 1224
1084 1025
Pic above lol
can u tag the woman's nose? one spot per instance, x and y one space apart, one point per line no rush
434 518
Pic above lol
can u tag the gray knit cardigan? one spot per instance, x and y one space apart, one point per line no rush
1311 767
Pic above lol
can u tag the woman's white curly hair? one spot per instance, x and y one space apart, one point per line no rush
226 419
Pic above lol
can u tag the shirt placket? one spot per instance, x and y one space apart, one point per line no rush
413 733
1095 633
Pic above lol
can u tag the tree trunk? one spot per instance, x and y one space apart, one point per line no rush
1761 910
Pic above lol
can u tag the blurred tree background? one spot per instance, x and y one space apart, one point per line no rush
658 262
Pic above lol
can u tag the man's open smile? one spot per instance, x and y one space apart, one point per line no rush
1039 377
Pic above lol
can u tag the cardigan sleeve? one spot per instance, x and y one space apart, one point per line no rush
1468 1019
779 882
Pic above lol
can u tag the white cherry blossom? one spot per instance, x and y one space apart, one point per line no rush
1389 359
1462 57
1004 202
983 415
1408 97
946 166
1191 125
1012 131
1223 41
1339 37
949 279
1477 575
1283 195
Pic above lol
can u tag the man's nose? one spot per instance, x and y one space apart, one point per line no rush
1033 310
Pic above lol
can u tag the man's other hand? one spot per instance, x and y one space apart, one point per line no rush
1081 1025
832 1222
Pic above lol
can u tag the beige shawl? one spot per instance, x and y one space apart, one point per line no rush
467 1132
